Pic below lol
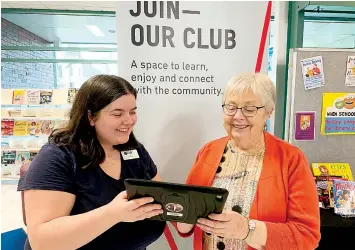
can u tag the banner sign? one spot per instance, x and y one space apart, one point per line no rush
179 56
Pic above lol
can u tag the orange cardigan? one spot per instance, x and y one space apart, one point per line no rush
286 198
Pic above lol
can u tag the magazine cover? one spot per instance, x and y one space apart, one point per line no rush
45 97
344 198
334 169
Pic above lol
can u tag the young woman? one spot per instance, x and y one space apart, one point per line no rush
74 188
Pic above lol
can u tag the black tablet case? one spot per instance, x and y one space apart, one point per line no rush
181 203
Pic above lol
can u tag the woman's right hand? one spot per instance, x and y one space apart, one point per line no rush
184 228
134 210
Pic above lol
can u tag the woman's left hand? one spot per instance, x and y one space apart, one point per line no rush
227 225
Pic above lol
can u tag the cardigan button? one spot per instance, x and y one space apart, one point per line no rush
208 234
223 158
221 246
219 169
237 209
225 150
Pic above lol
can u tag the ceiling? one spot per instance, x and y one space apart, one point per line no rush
66 28
71 28
62 5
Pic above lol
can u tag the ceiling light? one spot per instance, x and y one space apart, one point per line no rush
95 30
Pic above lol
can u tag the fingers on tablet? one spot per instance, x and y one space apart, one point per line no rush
140 202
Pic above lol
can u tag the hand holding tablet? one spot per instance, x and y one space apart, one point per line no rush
180 202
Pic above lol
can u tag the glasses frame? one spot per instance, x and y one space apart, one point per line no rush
242 109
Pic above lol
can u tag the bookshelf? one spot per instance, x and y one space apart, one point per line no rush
28 117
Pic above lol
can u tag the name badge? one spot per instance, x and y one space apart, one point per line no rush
130 154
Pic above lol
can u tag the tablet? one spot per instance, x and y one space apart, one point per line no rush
180 202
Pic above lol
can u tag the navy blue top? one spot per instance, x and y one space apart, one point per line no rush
54 168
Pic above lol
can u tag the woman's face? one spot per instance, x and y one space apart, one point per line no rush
241 127
115 122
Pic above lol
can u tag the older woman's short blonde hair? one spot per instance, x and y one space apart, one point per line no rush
259 84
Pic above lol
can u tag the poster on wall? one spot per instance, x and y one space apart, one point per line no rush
350 71
338 114
179 56
312 71
305 126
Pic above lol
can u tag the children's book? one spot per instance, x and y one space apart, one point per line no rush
344 198
325 189
333 169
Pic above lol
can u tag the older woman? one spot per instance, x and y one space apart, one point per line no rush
272 200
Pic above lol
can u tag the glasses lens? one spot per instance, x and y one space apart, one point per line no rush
249 111
229 109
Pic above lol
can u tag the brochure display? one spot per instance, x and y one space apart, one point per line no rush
28 117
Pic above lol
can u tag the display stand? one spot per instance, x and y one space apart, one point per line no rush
324 147
28 117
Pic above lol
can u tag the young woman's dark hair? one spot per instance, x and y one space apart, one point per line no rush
95 94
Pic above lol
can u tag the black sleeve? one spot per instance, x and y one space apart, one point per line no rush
151 168
52 169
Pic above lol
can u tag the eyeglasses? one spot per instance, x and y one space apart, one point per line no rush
248 111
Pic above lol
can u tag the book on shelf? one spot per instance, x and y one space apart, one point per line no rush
33 127
33 97
45 97
46 127
30 127
8 157
28 112
18 96
344 198
7 126
22 157
335 169
12 161
325 190
20 128
36 97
